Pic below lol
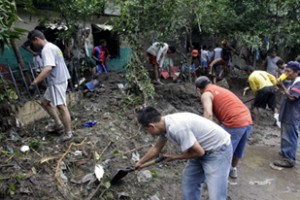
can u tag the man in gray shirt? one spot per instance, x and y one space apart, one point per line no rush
270 63
206 145
57 75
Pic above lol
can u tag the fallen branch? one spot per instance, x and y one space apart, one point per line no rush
63 156
94 193
99 185
105 149
46 159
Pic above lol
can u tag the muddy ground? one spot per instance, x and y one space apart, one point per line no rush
111 142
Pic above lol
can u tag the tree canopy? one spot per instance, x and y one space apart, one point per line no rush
8 17
252 23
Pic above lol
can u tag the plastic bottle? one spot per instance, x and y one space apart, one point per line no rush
282 77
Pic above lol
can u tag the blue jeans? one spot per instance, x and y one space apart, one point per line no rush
213 168
239 138
289 140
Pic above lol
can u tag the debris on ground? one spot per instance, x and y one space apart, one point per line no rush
113 140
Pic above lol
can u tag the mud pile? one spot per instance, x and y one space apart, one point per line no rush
114 142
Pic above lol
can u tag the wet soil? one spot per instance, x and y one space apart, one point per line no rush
111 143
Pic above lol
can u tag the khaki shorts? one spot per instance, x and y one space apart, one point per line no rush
56 94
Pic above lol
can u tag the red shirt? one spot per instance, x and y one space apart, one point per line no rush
228 108
101 53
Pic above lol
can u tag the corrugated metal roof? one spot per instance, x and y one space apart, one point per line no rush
104 27
53 26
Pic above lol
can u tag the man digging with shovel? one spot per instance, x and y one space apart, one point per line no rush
204 144
231 113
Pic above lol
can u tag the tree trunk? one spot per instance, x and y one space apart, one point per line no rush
17 53
20 60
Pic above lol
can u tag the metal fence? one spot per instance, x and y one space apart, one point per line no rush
19 80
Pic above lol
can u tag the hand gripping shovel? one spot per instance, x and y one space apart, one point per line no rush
123 172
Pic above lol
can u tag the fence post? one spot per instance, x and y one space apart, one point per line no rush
14 82
24 80
4 84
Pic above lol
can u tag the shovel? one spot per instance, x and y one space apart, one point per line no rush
123 172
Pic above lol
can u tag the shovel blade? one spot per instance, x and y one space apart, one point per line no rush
120 174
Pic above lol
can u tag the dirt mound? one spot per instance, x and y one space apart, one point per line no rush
178 97
113 142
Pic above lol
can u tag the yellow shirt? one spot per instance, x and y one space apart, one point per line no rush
260 79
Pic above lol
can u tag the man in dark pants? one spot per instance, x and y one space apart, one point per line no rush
289 116
263 86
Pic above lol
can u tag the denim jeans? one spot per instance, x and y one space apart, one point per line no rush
214 169
239 138
289 140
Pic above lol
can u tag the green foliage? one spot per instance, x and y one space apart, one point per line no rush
20 176
153 173
34 144
8 17
107 184
253 21
115 152
244 22
138 82
9 94
72 13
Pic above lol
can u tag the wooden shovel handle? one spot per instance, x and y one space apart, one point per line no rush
152 162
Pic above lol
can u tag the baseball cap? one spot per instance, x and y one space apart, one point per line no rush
35 33
294 65
195 53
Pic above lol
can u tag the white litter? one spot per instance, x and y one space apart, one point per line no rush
135 156
78 153
25 148
265 182
99 172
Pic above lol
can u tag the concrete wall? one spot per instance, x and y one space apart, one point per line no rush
31 111
30 22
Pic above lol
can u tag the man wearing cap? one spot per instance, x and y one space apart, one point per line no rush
262 85
231 113
289 116
204 144
57 74
157 53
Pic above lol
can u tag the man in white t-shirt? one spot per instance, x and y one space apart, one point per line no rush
204 144
157 53
57 75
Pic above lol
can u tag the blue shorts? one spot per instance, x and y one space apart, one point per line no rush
239 138
100 69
